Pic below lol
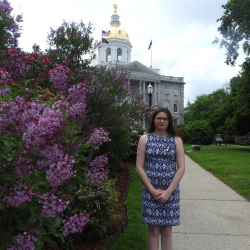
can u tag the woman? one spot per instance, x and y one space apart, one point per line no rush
163 153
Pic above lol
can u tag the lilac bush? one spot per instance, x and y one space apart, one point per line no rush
242 140
25 241
55 137
10 28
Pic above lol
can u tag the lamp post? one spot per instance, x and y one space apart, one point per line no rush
150 92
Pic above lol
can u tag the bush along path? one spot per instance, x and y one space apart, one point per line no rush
63 126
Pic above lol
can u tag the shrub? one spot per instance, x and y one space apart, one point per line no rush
99 201
182 133
199 132
242 140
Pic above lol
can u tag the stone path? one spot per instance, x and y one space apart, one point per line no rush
213 216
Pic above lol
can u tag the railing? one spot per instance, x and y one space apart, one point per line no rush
173 78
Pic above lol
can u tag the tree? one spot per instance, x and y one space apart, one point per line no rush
199 132
9 27
205 105
72 44
235 28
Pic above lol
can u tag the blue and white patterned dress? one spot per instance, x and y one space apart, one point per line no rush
160 168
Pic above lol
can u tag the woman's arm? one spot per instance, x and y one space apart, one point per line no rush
140 162
180 160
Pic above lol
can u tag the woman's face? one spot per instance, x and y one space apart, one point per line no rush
161 121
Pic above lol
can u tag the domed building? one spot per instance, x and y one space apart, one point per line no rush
167 91
119 47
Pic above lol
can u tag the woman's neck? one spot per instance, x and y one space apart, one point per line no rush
161 133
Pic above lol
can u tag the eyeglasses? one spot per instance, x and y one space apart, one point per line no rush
161 119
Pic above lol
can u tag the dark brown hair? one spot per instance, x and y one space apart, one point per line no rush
170 128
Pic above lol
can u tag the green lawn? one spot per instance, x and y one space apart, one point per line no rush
134 236
230 164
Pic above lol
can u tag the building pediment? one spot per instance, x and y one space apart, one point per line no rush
141 72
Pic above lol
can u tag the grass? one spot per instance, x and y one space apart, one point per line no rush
134 236
230 164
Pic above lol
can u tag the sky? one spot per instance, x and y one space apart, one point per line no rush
182 32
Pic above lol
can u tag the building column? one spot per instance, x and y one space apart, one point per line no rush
140 86
143 91
154 95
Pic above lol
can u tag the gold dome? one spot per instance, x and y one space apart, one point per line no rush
117 32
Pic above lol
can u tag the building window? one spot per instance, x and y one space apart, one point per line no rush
108 55
175 107
175 92
166 104
166 91
119 55
175 121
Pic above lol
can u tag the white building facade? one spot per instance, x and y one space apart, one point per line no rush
168 91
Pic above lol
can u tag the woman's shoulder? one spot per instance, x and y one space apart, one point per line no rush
178 139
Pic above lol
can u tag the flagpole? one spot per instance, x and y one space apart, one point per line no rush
151 50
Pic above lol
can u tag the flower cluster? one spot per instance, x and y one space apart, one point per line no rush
75 224
17 114
11 24
25 241
41 133
98 171
98 137
77 93
242 140
59 172
4 76
53 206
23 167
19 194
59 77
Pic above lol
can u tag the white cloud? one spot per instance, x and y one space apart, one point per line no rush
182 33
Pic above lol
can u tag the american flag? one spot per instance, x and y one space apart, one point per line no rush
104 33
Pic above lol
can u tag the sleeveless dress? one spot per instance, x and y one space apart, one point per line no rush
160 168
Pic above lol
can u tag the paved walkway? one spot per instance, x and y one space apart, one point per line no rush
213 216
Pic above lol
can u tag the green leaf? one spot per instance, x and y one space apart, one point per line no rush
22 227
52 242
5 235
52 223
41 231
59 235
34 212
39 244
8 177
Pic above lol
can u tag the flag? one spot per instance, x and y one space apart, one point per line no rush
105 40
150 45
104 33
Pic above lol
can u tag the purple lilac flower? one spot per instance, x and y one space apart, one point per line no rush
23 167
59 77
4 76
3 92
41 133
77 93
12 26
25 241
76 112
75 224
19 194
53 206
16 115
60 171
98 137
98 171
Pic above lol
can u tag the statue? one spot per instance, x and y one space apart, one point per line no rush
115 7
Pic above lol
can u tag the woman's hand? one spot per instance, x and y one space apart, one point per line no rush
162 196
156 193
